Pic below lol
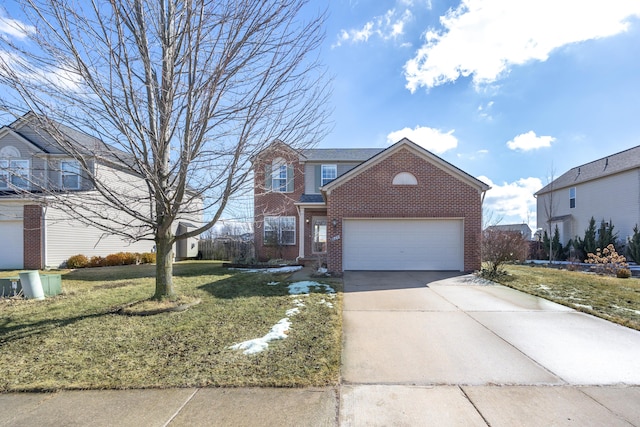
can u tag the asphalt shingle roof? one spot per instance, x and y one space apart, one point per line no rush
340 154
615 163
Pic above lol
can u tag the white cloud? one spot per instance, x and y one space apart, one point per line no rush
14 28
530 141
485 38
388 26
432 139
514 202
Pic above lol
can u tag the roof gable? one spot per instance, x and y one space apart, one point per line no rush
609 165
6 130
417 150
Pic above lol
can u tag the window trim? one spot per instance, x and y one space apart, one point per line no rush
572 200
75 173
13 172
329 167
280 228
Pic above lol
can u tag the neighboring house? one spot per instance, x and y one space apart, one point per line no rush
401 208
523 229
36 232
606 189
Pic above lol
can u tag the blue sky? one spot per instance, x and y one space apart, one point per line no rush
510 92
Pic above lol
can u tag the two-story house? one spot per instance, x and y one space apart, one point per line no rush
606 189
37 231
400 208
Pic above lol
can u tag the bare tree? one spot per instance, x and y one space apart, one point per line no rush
500 247
182 93
549 205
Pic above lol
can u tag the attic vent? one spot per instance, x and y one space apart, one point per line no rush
606 162
405 178
9 151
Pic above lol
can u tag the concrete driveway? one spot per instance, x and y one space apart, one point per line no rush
456 350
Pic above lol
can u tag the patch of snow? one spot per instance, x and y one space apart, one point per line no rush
298 302
273 283
292 311
285 269
325 302
588 307
544 287
277 332
299 288
617 307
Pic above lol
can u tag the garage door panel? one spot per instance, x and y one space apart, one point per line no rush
11 249
401 244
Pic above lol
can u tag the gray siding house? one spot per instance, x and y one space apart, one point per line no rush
36 231
606 189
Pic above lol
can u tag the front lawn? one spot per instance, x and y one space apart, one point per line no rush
610 298
77 340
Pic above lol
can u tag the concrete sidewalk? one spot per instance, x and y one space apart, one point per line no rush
420 348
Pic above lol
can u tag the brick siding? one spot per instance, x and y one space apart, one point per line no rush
438 194
32 237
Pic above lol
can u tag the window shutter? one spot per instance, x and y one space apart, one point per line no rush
289 178
318 177
267 176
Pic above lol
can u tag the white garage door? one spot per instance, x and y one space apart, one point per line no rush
11 245
402 244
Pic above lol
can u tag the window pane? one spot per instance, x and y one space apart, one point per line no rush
4 173
70 172
20 173
329 173
279 178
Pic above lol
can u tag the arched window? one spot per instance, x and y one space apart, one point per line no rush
405 178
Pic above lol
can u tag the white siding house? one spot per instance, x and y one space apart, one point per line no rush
38 231
606 189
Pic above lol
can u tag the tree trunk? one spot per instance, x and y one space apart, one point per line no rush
164 266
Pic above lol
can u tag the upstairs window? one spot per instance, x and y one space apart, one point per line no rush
572 197
70 174
14 173
328 174
279 176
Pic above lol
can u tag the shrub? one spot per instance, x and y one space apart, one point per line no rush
623 273
633 245
128 258
114 259
607 260
500 247
148 258
97 261
77 261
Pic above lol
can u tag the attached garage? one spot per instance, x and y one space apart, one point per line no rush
403 244
11 247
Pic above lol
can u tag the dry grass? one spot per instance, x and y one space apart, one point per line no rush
78 340
613 299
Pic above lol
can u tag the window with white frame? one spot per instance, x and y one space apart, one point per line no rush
572 197
70 174
279 175
14 173
279 230
328 174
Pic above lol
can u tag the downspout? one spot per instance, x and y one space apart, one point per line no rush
301 232
43 228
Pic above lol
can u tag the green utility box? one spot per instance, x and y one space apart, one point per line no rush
51 285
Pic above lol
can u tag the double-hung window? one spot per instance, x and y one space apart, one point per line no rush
14 173
572 197
70 174
328 174
279 230
279 176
